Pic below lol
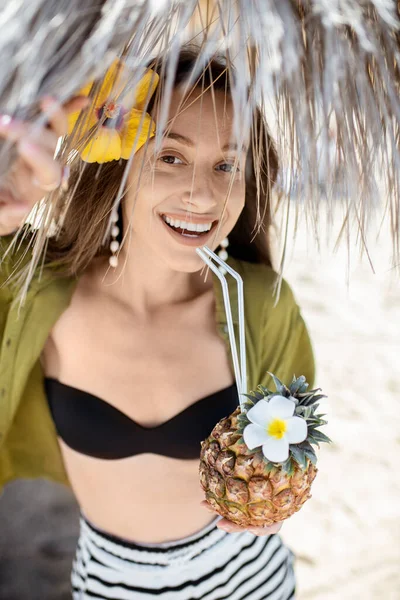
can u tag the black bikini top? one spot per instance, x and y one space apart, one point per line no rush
94 427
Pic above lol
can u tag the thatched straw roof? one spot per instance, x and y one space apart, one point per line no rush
326 72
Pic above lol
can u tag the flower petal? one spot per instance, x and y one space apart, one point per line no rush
276 450
254 436
88 122
85 91
281 407
99 98
114 82
145 88
259 413
129 132
72 119
296 431
103 147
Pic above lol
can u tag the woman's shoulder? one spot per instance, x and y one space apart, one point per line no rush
16 255
16 252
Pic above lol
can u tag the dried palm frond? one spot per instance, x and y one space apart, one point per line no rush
325 71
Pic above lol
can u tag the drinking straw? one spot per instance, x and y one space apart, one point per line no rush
240 372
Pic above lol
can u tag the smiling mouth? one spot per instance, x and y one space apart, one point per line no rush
188 233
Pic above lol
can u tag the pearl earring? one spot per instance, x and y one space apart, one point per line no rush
223 254
114 246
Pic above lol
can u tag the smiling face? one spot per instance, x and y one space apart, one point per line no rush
185 186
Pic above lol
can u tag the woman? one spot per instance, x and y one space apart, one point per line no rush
114 359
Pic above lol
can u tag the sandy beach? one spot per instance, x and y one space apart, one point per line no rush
347 537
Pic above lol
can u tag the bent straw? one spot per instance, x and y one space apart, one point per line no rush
240 372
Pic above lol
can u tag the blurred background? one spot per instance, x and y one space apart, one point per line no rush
347 536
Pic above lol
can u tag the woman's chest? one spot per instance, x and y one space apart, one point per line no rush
148 368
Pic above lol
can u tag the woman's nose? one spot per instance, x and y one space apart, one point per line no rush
201 195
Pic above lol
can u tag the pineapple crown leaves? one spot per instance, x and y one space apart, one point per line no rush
306 402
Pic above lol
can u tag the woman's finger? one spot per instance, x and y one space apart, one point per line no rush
205 504
56 115
15 130
76 103
266 530
12 214
46 170
231 527
227 525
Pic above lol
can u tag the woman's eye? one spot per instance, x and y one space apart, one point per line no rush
170 160
228 168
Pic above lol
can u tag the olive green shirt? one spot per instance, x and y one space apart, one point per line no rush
276 340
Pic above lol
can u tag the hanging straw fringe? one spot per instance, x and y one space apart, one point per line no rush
325 71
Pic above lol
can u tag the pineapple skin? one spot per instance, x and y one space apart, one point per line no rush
240 484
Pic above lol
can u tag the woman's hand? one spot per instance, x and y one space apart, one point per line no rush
35 166
230 527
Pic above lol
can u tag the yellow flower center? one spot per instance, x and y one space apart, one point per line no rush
277 428
111 109
114 115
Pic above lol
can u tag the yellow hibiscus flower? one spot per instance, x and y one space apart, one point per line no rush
118 133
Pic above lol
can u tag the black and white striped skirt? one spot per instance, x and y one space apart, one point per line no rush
208 565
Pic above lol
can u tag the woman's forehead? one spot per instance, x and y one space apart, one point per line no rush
201 115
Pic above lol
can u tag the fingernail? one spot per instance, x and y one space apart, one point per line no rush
5 120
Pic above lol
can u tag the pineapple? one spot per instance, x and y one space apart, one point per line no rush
244 486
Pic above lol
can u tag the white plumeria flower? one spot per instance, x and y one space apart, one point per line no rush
274 427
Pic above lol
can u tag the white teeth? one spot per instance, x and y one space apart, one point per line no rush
188 226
